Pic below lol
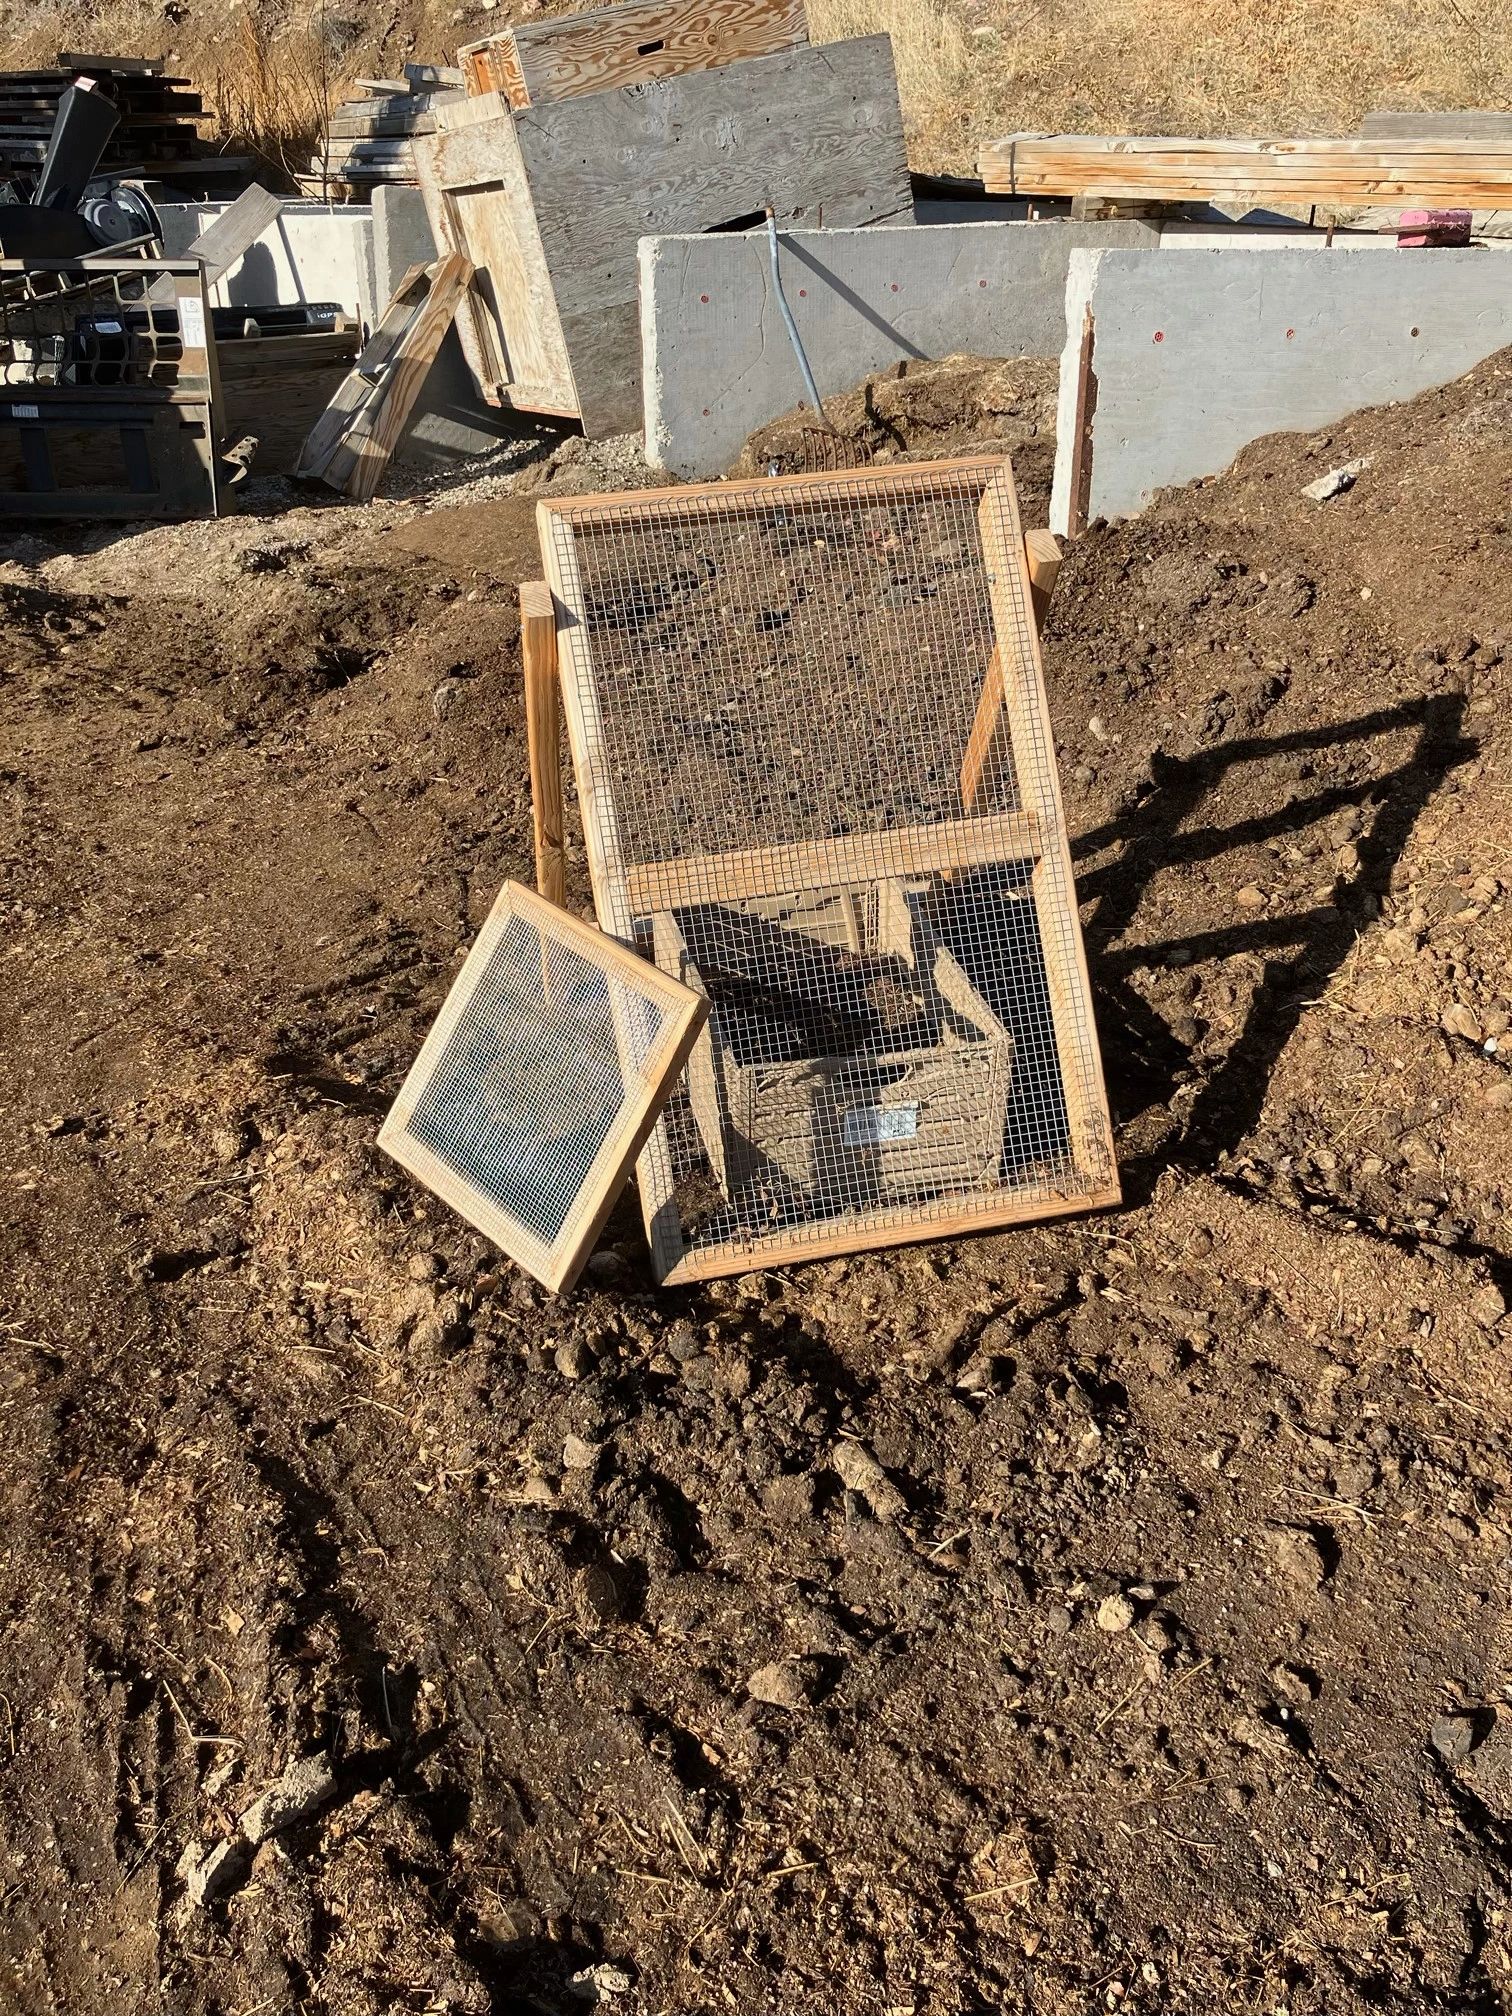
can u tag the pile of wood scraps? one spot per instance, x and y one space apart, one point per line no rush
369 139
349 446
1366 170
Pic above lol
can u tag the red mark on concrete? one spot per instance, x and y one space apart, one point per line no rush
705 299
1160 335
1289 334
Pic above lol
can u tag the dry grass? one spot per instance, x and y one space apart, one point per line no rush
270 92
970 70
269 73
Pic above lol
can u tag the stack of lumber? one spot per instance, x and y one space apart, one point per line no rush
369 137
156 136
1493 129
535 63
1470 174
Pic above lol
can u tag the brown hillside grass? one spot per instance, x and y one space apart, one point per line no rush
272 95
969 70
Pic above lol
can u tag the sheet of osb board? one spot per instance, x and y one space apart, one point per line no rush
771 689
542 1076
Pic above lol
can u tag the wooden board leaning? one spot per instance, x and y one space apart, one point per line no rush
535 62
350 445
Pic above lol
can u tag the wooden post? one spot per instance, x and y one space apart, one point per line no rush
986 746
1027 729
543 726
1081 428
1042 549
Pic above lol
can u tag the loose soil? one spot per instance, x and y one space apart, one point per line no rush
1103 1616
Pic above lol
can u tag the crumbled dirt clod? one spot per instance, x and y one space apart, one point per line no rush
1453 1737
1115 1614
1298 1556
306 1786
860 1472
780 1685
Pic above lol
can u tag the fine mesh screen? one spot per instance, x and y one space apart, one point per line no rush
818 785
539 1080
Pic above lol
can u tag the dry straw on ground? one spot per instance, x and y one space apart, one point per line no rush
970 69
967 69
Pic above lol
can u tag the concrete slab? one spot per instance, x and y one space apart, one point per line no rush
716 358
1195 355
310 252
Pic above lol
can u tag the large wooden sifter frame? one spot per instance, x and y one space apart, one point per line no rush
1006 815
648 1067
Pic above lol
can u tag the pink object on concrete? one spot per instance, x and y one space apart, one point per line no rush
1433 227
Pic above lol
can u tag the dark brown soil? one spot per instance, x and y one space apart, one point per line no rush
1104 1616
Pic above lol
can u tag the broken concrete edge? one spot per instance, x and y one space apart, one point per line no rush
1081 279
717 362
1193 358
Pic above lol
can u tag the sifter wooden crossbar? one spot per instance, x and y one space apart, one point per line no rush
540 1080
817 778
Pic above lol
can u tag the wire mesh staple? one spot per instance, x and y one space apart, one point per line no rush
818 783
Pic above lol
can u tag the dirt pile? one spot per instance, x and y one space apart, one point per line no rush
1105 1616
944 406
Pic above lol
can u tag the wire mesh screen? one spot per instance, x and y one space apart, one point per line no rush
818 785
539 1080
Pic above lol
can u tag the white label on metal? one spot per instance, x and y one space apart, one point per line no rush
108 328
865 1126
192 323
24 413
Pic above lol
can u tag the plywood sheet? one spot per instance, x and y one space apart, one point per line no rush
479 203
569 56
815 132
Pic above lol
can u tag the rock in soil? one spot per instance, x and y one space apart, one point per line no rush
860 1472
1115 1613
